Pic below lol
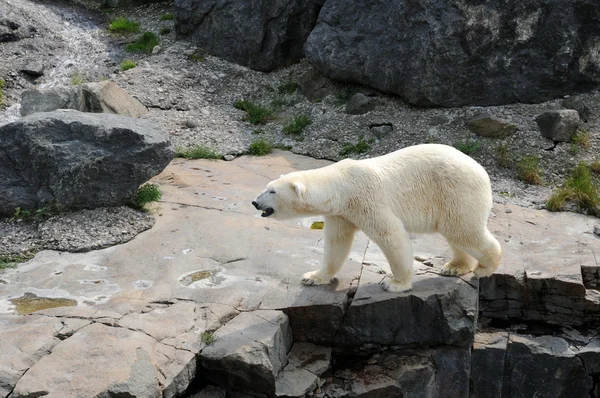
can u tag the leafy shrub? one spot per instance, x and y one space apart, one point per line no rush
147 193
467 147
260 147
297 125
361 147
144 44
128 64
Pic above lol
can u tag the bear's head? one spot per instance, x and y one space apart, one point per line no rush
283 198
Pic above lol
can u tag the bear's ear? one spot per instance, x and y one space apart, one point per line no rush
299 188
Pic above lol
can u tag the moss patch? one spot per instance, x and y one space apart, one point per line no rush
30 302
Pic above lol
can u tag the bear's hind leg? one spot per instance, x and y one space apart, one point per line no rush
394 242
338 234
460 264
486 249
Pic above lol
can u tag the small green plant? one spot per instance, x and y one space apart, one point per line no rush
198 152
582 138
467 147
342 97
580 189
208 338
144 44
147 193
528 170
32 215
164 31
297 125
260 147
167 17
197 56
258 131
128 64
288 88
123 25
595 166
2 85
503 155
361 146
282 147
77 78
255 114
7 261
317 225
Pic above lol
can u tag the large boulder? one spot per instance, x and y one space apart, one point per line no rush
100 97
70 160
456 52
13 27
262 35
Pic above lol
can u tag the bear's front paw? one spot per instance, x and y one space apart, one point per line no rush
396 287
482 272
315 278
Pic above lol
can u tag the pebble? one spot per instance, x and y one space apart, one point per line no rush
508 210
191 123
229 157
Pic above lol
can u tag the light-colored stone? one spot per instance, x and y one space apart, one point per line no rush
316 359
490 126
295 382
107 97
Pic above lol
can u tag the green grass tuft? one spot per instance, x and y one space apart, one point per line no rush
361 147
582 138
123 25
580 189
7 261
2 85
297 125
164 31
528 170
255 114
595 166
208 338
288 88
147 193
198 152
260 147
77 79
144 44
503 155
467 147
128 64
197 56
167 17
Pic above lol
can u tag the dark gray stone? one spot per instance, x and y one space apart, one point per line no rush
49 99
249 351
577 104
487 358
382 130
313 85
590 355
262 35
490 126
70 160
454 53
34 68
436 311
360 104
13 28
559 125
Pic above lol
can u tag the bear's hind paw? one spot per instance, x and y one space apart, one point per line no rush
314 278
396 287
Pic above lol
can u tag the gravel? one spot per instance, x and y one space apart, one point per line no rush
192 95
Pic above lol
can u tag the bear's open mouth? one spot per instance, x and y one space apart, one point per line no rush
267 212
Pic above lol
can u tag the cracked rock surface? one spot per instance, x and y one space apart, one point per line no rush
212 294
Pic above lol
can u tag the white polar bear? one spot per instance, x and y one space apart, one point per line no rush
420 189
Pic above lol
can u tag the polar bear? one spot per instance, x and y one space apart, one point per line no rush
419 189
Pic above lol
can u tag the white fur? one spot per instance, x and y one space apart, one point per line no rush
420 189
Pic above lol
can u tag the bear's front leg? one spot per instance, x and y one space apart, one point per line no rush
394 242
338 235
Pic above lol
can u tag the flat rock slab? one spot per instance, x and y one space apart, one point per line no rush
211 258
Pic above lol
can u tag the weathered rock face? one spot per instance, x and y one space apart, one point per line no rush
13 28
506 364
101 97
454 53
559 125
70 160
263 34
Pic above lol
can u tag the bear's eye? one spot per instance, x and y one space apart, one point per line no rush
271 191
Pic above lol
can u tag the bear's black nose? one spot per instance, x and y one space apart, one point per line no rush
255 205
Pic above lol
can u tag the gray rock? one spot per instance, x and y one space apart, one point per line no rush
359 104
295 382
490 126
487 358
190 123
436 311
249 351
262 35
71 160
316 359
313 85
577 104
156 50
228 158
559 125
101 97
35 68
210 392
597 230
453 53
13 28
382 130
49 99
